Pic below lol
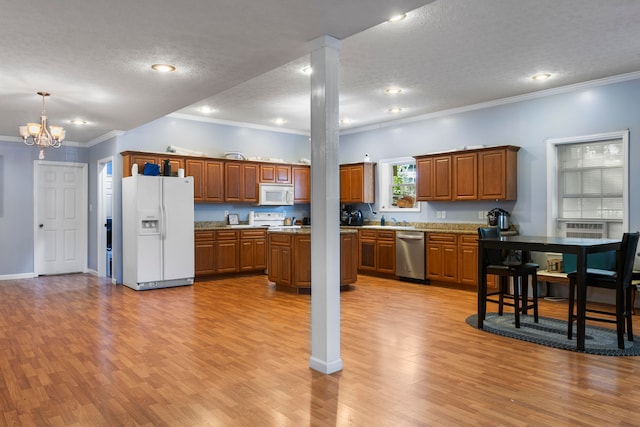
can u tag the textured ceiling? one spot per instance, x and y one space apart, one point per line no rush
451 54
94 57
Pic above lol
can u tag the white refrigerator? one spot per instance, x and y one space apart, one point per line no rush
157 231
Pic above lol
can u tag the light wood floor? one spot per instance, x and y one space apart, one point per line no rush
76 350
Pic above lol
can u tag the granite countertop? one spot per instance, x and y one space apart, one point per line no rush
427 227
436 227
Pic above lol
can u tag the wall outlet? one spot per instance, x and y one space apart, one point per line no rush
480 214
226 214
444 214
438 214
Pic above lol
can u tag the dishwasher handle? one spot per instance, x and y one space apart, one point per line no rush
410 236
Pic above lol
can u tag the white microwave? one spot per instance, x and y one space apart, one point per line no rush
275 194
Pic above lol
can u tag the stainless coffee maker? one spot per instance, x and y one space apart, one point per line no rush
498 218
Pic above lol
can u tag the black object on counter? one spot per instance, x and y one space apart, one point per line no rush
351 217
166 168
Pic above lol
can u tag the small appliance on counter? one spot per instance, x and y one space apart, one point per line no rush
348 216
498 218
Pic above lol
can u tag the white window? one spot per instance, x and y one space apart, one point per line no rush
397 178
588 185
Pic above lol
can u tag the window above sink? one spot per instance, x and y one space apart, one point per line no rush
397 179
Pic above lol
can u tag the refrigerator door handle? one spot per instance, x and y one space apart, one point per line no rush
163 229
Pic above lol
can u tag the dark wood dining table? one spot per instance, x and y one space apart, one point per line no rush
568 245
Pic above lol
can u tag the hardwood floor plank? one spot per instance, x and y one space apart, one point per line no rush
76 350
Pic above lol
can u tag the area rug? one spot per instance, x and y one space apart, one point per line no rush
553 333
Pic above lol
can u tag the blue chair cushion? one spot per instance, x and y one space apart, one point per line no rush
601 261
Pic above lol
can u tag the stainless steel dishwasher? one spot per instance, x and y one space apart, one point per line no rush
410 255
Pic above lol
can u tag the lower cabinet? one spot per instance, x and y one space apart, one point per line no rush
226 251
204 253
454 258
442 257
253 250
230 251
290 260
468 259
280 259
377 251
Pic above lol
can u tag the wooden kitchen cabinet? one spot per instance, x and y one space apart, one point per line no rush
442 257
357 183
204 253
253 250
275 173
433 177
377 251
213 181
195 168
301 184
207 179
498 173
348 258
280 259
367 250
129 158
240 182
290 260
386 252
468 259
302 260
479 174
465 176
226 251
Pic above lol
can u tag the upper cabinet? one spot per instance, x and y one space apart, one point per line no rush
236 181
241 182
130 158
498 174
357 183
465 176
301 184
483 174
208 179
275 173
434 178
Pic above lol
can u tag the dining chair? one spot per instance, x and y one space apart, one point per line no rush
618 280
520 270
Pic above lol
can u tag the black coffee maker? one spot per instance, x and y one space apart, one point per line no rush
348 216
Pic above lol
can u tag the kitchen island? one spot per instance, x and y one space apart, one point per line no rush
289 259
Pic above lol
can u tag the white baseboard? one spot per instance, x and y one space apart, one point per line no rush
17 276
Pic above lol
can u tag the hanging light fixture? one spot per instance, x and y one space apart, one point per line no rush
41 135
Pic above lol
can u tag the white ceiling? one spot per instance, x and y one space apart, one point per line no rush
243 57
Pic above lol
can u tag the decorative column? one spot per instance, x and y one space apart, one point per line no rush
325 206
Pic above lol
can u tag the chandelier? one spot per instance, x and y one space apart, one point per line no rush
41 135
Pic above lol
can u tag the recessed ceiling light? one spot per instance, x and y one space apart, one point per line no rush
398 18
541 76
306 70
163 68
78 121
346 121
393 90
395 110
279 121
207 110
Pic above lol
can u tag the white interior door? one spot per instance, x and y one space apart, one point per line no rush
61 217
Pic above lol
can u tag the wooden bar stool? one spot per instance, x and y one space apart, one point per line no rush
519 271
